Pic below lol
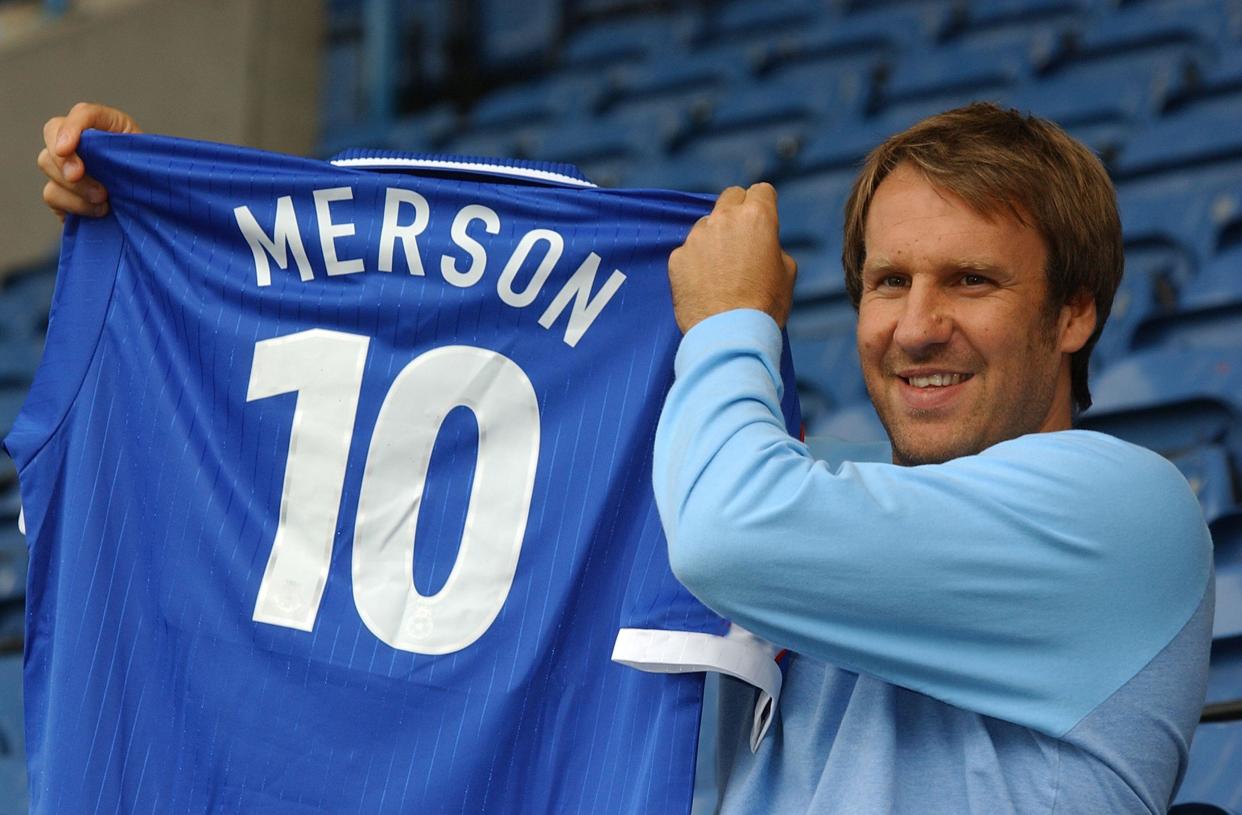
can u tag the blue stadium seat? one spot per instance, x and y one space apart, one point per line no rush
536 102
1146 289
671 78
1188 140
1218 283
906 24
744 19
856 422
1208 472
1178 209
1217 83
979 71
812 215
19 358
1227 536
1153 25
1095 94
844 145
1171 399
13 796
632 38
756 128
516 35
426 131
983 18
14 561
26 296
1212 775
821 338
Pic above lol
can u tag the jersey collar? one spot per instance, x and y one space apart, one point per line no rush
548 172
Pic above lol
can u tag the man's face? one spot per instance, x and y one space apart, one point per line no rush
958 347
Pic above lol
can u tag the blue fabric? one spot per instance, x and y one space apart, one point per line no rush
1023 630
152 475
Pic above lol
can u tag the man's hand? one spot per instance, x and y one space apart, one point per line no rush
69 188
731 259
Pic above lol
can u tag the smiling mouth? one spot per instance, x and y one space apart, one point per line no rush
935 380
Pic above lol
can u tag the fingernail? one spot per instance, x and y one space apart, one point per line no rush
96 195
69 165
100 211
62 139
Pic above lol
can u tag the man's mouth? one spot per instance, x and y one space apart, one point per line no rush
934 380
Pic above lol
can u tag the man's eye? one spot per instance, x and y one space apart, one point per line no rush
974 280
892 281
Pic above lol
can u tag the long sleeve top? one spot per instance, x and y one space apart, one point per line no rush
1021 630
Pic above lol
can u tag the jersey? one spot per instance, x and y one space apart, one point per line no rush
336 480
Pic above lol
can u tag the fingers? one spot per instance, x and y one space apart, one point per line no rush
85 115
62 201
732 196
69 188
83 196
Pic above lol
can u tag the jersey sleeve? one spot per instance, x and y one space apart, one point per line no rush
1028 582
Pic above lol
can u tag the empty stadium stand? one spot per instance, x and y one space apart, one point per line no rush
698 95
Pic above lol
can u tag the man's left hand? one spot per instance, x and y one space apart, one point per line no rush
731 259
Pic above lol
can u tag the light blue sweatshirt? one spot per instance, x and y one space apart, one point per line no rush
1023 630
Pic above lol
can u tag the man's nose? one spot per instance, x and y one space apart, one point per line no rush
926 321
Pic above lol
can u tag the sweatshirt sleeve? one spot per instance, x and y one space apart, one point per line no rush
1028 582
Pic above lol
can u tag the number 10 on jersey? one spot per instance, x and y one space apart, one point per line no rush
324 368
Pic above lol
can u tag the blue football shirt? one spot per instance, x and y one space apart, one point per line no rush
336 480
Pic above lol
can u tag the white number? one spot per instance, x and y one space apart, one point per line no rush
507 412
325 368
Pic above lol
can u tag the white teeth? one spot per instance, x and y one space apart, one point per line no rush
935 380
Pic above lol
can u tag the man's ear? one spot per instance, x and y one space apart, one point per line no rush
1077 322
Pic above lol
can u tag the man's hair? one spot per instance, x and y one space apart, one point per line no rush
1001 162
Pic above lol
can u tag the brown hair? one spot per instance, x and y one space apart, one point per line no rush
1001 161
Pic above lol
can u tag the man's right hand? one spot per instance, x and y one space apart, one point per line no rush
69 188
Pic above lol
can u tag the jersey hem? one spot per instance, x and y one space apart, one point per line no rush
739 654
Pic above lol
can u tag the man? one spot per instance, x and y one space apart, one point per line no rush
1011 616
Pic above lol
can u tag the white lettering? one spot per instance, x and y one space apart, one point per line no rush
504 286
478 255
285 236
329 232
586 308
391 231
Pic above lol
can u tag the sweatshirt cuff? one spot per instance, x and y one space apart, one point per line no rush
742 330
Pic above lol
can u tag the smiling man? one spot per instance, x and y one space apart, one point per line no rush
1005 615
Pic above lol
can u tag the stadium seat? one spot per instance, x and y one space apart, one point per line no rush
983 20
1146 289
1178 210
744 20
13 562
426 131
541 102
1212 774
516 36
27 297
821 337
1227 535
1170 399
1218 283
625 40
980 71
1224 685
1208 472
856 422
1216 83
1189 140
811 215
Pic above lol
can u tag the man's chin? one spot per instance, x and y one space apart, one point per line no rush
909 452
